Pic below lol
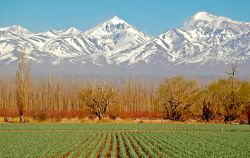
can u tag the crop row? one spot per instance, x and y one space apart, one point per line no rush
134 143
136 127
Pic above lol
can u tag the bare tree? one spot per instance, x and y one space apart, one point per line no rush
248 114
231 103
177 95
23 82
205 105
99 99
232 76
207 112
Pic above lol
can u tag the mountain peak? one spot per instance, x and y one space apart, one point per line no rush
64 32
115 20
203 16
72 30
115 24
17 29
14 27
211 18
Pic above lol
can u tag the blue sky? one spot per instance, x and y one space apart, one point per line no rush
151 16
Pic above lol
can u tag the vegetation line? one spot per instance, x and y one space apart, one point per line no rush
177 98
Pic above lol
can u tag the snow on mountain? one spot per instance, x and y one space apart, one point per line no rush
212 30
153 51
116 34
108 38
215 33
234 50
72 31
202 39
208 21
61 48
14 31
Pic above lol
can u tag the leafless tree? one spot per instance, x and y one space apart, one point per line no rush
23 82
177 95
231 101
207 112
99 98
248 114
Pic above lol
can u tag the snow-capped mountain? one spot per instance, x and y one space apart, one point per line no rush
203 39
14 31
108 38
116 34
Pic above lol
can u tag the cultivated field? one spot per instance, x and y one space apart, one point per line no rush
124 140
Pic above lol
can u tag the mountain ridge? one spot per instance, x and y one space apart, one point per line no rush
203 39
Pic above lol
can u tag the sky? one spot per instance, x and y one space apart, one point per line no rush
150 16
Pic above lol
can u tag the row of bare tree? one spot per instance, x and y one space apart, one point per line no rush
178 98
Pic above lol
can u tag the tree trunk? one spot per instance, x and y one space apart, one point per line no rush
248 114
99 116
21 118
228 119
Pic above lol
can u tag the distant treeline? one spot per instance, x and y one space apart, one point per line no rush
175 98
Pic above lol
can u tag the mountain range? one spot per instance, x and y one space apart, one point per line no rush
204 44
